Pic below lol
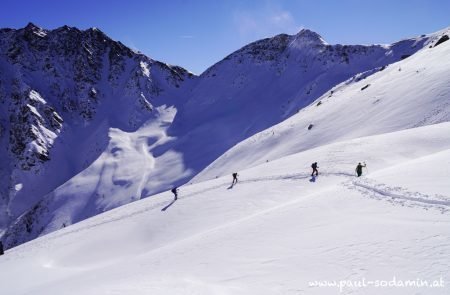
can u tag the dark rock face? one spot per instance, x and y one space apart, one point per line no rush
27 127
442 40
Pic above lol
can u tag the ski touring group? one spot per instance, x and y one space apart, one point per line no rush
314 174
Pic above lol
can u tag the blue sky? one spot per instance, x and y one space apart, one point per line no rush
197 34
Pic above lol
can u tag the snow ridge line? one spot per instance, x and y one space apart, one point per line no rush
399 195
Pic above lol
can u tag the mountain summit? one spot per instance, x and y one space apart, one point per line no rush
307 37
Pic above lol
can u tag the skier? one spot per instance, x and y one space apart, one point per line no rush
1 248
359 168
314 167
235 180
175 192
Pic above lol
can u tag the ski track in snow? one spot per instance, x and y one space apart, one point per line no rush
376 190
399 195
159 205
287 177
364 185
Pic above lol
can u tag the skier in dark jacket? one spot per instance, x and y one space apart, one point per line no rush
314 167
235 180
359 169
175 192
1 248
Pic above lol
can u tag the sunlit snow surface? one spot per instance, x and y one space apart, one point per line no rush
274 232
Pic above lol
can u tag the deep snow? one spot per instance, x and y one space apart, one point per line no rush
275 232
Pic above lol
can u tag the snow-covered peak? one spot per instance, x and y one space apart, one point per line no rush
307 37
32 27
38 31
97 32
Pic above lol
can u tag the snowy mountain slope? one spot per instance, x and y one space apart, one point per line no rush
275 232
120 163
60 92
268 81
125 172
410 93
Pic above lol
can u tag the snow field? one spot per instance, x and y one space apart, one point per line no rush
274 232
